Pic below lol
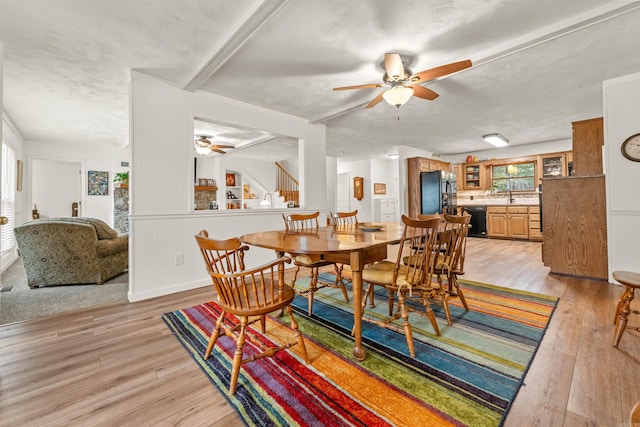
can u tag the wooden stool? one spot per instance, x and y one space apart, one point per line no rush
631 281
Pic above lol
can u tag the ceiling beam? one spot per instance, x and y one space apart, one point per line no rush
243 33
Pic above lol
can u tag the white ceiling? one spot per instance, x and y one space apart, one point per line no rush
538 64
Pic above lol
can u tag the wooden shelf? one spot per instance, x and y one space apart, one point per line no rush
205 188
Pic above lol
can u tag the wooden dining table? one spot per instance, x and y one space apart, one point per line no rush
353 245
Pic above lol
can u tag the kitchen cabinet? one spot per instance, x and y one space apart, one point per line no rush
552 165
518 222
497 221
508 222
535 233
415 165
437 165
588 139
384 210
458 170
473 174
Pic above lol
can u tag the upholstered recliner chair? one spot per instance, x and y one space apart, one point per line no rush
57 251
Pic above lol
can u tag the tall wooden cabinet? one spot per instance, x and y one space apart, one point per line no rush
574 226
415 165
588 139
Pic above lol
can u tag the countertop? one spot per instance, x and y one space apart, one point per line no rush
500 201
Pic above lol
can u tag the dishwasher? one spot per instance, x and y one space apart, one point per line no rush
478 224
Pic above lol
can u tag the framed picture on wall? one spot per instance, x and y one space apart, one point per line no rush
231 179
202 182
98 183
379 188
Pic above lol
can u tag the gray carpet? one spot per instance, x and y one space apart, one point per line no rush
19 302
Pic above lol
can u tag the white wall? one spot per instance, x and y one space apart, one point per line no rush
373 171
56 186
91 157
359 168
621 111
162 223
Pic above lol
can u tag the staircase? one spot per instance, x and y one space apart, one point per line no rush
287 186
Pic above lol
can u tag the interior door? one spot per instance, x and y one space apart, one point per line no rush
342 199
56 186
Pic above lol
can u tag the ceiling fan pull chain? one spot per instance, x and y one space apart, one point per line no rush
398 112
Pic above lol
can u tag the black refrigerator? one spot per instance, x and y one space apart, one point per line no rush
438 193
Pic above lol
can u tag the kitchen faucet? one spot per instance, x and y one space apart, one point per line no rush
510 196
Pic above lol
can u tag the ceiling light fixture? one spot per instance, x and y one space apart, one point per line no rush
393 155
496 139
398 95
202 150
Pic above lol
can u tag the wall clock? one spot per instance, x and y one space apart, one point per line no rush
358 183
631 148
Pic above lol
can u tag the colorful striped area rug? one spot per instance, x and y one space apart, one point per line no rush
468 376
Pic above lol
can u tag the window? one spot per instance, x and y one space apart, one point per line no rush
7 203
515 177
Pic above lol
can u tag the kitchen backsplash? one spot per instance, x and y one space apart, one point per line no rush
482 197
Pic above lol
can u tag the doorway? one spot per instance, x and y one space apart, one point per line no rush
56 186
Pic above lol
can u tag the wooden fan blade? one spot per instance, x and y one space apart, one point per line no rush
222 146
375 101
440 71
423 92
218 150
393 66
367 86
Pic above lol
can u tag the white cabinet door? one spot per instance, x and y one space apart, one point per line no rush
384 210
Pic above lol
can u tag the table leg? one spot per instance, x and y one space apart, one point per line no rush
356 280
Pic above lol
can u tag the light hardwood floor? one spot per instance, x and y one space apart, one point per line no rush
118 365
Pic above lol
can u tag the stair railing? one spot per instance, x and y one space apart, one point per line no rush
287 186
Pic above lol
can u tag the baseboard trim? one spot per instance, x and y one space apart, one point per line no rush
141 296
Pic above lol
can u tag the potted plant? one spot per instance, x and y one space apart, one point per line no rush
122 178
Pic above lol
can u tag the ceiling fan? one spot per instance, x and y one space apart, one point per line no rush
204 145
403 84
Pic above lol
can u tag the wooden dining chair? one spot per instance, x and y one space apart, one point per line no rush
246 294
308 223
413 279
450 262
344 218
634 415
631 282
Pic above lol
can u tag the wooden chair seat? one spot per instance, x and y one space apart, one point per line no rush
310 261
383 274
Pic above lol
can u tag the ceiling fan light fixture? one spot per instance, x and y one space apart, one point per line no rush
398 95
202 150
496 139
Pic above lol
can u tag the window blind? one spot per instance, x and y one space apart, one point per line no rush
7 201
